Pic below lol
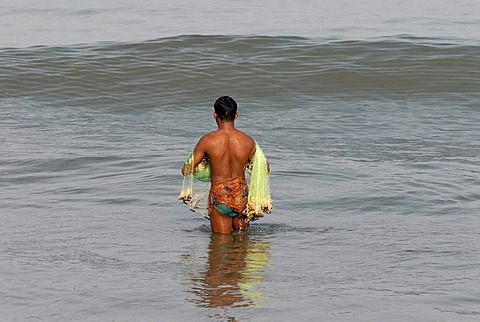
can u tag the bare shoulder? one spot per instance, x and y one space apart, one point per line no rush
251 141
207 138
245 138
216 138
249 145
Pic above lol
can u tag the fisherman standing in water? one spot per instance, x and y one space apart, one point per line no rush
229 152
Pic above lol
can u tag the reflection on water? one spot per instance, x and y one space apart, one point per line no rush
232 274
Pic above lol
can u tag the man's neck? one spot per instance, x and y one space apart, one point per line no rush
225 125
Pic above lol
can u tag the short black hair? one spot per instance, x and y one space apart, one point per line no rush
226 108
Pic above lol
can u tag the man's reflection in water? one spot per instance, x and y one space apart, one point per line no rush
235 268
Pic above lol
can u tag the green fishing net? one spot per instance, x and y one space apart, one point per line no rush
202 170
196 185
259 200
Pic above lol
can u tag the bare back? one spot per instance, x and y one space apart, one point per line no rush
228 150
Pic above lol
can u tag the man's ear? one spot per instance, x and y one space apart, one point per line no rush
236 115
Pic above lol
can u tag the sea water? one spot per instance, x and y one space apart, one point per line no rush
369 115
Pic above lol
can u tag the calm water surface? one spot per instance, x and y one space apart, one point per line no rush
370 126
60 22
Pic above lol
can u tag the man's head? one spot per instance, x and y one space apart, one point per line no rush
226 108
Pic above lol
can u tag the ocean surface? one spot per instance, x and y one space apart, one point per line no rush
369 115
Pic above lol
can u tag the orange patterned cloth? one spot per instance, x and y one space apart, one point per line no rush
232 192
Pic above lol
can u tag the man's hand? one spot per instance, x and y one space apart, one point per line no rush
186 169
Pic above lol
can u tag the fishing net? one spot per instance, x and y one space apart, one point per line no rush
196 186
259 200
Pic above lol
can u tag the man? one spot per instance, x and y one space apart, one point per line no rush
229 152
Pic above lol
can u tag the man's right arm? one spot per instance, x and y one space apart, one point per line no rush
198 154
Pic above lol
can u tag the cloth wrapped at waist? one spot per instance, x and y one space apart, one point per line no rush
232 192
